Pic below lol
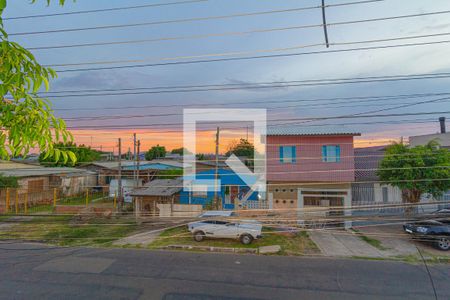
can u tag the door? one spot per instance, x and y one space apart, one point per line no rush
231 196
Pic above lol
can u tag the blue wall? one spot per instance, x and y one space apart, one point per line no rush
227 177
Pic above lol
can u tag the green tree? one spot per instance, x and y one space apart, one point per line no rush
200 156
155 152
416 170
8 182
241 148
180 151
83 154
27 120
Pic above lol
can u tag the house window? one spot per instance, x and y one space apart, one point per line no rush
288 154
36 186
331 153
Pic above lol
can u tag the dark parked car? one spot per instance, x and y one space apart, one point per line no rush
436 231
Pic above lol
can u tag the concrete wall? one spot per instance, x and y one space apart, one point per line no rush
442 138
285 195
179 210
372 193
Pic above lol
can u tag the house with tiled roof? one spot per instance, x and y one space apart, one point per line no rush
309 167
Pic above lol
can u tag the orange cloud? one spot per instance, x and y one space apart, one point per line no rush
108 140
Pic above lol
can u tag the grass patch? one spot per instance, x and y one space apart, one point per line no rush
47 208
66 231
370 258
411 259
371 241
81 199
291 243
4 218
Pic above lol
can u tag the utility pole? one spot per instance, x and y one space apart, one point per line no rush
119 180
134 159
216 173
138 161
137 207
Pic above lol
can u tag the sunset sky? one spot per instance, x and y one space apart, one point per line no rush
157 117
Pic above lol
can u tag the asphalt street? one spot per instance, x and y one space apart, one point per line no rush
41 272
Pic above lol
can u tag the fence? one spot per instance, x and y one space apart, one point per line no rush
26 201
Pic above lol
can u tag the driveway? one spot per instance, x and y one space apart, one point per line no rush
394 243
398 242
343 243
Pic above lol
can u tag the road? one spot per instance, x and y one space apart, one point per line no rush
43 272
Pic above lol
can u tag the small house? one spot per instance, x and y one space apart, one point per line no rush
232 190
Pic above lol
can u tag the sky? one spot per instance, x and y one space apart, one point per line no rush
156 118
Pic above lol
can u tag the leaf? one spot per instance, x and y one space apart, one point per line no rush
65 157
2 6
72 156
47 85
57 155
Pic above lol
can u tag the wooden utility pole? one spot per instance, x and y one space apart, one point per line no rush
138 162
134 160
119 179
216 173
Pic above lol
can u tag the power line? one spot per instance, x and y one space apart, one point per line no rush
266 101
252 85
195 19
406 121
253 57
100 117
285 119
116 117
233 53
285 84
232 33
101 10
391 108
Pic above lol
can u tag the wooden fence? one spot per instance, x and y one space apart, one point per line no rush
25 201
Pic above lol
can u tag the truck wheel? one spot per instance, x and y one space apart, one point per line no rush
443 243
199 236
246 239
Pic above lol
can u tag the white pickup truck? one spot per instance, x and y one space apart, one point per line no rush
246 232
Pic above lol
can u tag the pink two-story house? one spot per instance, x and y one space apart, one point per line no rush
309 167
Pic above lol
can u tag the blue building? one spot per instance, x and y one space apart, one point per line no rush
232 189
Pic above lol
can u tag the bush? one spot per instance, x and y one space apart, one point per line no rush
8 181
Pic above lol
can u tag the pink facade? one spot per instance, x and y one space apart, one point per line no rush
309 165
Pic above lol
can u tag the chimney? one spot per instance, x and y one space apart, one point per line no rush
442 122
